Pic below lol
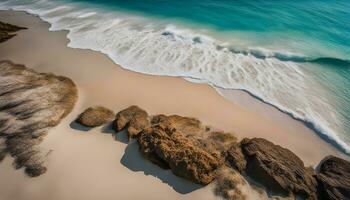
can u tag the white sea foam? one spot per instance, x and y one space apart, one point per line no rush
144 45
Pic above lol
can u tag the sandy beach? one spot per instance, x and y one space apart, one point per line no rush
91 164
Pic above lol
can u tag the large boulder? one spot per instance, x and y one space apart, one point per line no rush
185 157
182 144
134 119
95 116
334 179
279 169
215 142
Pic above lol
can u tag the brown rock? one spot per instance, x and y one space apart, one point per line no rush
186 125
235 158
134 118
183 155
182 144
278 168
216 142
147 148
334 179
95 116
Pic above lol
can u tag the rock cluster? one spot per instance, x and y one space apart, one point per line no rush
193 151
30 104
7 31
95 116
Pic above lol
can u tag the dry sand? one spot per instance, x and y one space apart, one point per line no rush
91 164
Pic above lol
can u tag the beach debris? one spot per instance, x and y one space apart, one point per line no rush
95 116
134 119
6 31
30 104
279 169
334 179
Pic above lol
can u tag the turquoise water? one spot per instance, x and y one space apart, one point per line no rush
293 55
320 28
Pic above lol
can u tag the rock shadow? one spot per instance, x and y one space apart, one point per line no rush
79 127
121 136
133 160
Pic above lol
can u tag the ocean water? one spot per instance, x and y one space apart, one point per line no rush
292 54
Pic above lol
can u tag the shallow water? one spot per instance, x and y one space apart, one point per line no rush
290 54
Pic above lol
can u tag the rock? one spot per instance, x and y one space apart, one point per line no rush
334 179
6 30
185 146
134 118
95 116
183 155
212 141
30 104
279 169
147 148
186 125
235 158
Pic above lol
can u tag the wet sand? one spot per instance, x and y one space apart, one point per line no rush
92 164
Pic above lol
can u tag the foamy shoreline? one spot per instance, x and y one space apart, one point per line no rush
78 157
